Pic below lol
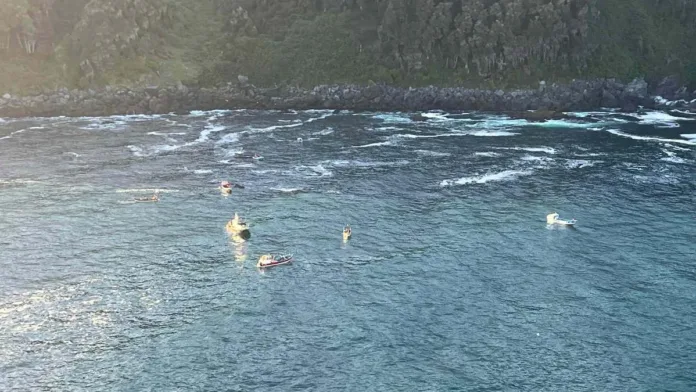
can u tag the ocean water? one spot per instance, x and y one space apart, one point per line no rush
452 280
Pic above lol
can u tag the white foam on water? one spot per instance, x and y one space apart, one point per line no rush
393 118
321 170
166 134
236 163
562 124
437 116
586 114
580 163
261 172
429 153
633 166
532 158
212 113
673 160
12 134
202 171
591 154
497 122
413 136
327 112
676 147
547 150
206 132
21 181
672 157
288 190
272 128
650 138
228 139
147 190
165 148
384 129
310 120
136 117
234 152
656 117
493 133
37 127
102 124
324 132
486 154
380 144
506 175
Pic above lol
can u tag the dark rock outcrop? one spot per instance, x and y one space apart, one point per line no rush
549 102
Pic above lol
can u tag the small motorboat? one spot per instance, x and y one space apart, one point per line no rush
566 222
225 187
347 233
257 157
267 261
237 227
554 219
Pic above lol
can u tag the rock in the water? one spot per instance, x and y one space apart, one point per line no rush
6 96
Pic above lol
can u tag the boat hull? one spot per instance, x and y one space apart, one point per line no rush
274 263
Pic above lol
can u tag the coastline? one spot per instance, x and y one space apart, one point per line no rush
548 100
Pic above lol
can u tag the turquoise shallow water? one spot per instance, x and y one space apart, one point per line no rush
452 280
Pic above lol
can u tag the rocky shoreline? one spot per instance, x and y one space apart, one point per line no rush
579 95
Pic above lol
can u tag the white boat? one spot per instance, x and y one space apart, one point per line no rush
554 219
267 261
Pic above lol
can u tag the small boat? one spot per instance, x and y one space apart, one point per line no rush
257 157
347 233
267 261
237 227
566 222
554 219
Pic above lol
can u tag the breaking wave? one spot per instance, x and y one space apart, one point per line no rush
506 175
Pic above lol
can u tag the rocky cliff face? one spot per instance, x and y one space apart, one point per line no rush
474 42
110 30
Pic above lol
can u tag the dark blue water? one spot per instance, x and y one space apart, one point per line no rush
452 280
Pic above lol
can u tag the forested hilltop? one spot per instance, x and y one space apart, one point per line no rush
484 43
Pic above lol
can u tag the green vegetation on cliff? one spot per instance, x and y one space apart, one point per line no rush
501 43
